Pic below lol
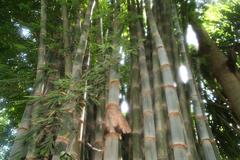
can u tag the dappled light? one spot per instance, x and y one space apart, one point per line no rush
129 80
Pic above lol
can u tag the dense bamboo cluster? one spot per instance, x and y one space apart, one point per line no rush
86 121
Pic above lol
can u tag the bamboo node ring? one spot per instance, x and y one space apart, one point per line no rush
207 140
165 65
174 113
150 137
62 139
112 106
116 81
113 135
173 85
179 145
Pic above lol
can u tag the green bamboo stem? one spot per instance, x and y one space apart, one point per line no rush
73 148
54 64
204 133
90 130
82 45
161 127
98 141
113 116
136 110
135 106
65 136
184 105
187 118
67 55
164 24
175 118
41 50
82 134
150 150
19 149
98 154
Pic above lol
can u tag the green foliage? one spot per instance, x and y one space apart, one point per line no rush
222 22
17 65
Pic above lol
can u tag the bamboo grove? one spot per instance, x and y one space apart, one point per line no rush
74 110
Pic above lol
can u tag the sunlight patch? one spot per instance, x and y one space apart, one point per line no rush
25 32
183 73
191 37
124 107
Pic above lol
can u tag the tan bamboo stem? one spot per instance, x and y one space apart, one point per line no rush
174 113
113 116
161 126
150 150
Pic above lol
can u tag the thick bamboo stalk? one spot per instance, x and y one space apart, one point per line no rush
67 54
65 137
174 112
98 154
98 141
42 50
19 145
187 118
19 148
135 106
164 24
205 136
82 45
90 131
150 150
113 117
136 110
161 126
184 102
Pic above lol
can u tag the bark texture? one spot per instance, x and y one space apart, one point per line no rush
220 69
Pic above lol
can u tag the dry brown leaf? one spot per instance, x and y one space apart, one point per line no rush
114 120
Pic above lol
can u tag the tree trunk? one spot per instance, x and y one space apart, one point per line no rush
220 69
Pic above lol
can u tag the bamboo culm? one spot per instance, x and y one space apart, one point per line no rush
210 150
19 148
150 150
174 113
